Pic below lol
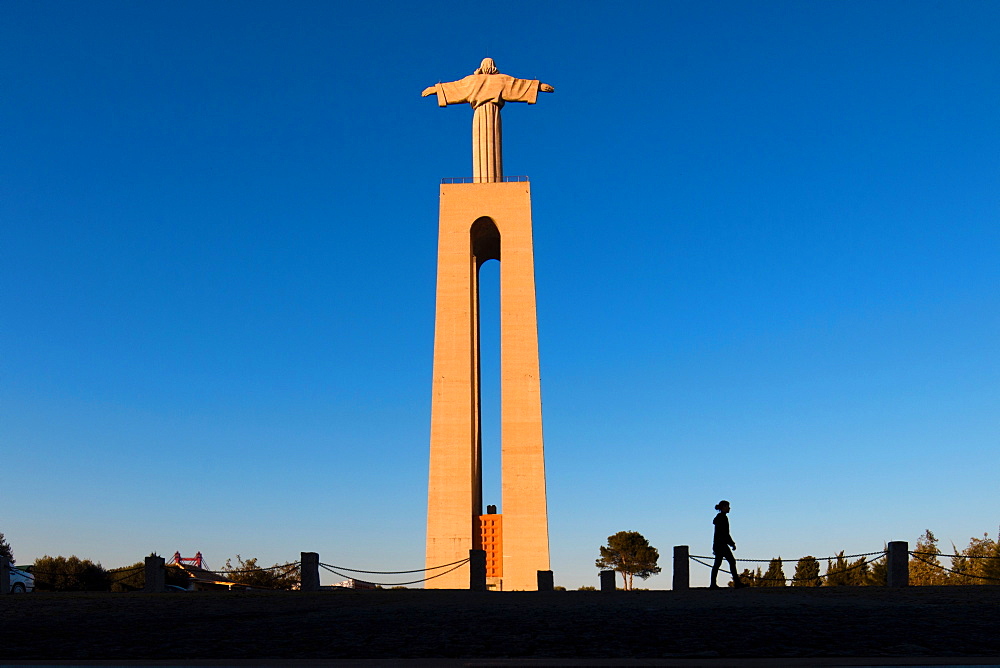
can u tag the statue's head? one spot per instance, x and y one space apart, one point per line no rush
487 67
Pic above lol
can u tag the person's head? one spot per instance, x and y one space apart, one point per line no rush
722 506
487 67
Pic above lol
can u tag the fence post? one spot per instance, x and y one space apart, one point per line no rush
607 581
682 567
4 575
545 581
477 570
898 567
155 581
309 571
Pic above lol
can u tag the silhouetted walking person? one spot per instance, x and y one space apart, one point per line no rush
721 544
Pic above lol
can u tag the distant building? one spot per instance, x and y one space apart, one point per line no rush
351 583
489 538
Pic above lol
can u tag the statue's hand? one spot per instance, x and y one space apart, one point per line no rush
430 90
546 88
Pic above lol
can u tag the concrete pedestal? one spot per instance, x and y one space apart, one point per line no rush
156 575
309 571
682 568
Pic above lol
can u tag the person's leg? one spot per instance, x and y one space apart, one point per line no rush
715 569
732 569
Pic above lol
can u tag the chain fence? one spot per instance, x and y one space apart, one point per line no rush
455 566
853 567
918 555
861 564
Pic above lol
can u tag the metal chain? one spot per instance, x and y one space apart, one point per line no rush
766 561
418 570
952 556
945 568
793 579
400 584
238 571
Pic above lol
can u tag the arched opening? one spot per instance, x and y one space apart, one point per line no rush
485 239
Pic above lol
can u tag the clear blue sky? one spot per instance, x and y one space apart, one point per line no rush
766 244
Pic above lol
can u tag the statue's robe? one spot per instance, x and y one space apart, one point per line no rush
487 94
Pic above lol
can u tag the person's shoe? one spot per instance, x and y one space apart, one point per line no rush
714 586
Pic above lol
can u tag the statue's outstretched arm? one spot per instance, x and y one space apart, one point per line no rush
430 90
545 88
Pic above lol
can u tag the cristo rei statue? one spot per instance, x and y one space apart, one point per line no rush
487 90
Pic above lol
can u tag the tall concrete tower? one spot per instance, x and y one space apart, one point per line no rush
488 218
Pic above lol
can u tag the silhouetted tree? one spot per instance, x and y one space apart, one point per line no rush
878 573
629 553
69 574
925 569
250 574
807 573
774 576
5 550
843 573
127 578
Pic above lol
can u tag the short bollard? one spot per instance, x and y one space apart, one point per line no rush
309 571
4 575
607 581
898 566
477 570
682 567
545 581
156 575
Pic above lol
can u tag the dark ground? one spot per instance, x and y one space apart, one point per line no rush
793 623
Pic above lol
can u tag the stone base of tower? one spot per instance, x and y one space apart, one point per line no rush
478 222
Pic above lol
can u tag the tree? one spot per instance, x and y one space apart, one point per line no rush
279 576
878 576
749 578
807 573
925 568
128 578
844 573
5 550
774 576
69 574
629 553
979 563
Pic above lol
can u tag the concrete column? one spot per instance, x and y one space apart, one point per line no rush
309 571
477 570
156 575
4 575
545 581
608 581
898 566
682 568
480 222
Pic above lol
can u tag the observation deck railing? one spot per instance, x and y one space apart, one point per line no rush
484 179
